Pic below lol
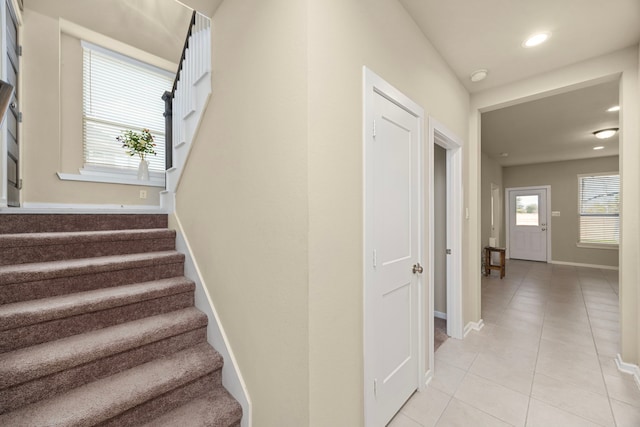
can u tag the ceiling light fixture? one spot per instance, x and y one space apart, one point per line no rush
479 75
605 133
504 154
598 148
614 108
536 39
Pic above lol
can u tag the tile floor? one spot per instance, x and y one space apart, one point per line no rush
544 358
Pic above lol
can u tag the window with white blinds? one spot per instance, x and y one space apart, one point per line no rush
121 93
599 208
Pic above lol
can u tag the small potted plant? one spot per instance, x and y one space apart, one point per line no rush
140 143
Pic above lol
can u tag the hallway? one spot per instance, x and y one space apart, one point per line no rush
545 356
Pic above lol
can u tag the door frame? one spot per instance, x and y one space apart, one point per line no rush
507 216
374 84
439 134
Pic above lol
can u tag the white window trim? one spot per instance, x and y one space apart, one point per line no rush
104 174
579 244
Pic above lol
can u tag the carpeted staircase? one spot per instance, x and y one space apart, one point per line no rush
98 327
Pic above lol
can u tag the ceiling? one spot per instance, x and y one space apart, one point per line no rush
555 128
473 34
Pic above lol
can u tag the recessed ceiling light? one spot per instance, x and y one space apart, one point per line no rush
504 154
536 39
479 75
614 108
598 148
605 133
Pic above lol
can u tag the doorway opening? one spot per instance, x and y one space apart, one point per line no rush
445 227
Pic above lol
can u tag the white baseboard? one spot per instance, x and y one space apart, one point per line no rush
231 375
428 376
440 315
77 208
628 368
473 326
577 264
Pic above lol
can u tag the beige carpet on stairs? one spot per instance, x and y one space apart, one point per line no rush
98 327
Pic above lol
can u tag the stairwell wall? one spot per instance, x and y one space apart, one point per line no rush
52 94
242 200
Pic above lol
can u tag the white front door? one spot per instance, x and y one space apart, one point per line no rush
393 232
528 224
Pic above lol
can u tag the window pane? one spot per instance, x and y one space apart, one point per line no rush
118 95
527 210
599 209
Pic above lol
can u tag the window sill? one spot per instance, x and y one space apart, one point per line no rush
156 179
597 246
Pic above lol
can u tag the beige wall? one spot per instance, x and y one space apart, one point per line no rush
243 200
621 65
271 199
52 108
155 26
491 174
565 229
344 36
440 229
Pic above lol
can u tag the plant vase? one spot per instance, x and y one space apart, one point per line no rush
143 170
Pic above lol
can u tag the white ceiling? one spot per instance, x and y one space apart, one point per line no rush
555 128
475 34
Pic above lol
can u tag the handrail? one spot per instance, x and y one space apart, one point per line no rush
192 24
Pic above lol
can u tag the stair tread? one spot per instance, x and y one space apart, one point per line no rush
101 400
25 364
217 409
45 309
51 269
65 237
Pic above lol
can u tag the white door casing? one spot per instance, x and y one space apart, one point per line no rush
439 134
393 246
528 224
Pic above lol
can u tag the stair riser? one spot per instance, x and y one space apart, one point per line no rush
66 285
51 385
164 403
13 339
46 253
41 223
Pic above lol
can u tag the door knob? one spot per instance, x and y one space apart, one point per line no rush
417 268
13 105
544 229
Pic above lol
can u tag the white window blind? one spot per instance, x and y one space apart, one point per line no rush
599 208
120 93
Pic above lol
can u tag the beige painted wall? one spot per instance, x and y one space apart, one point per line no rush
622 65
344 36
565 229
271 198
491 174
52 127
243 200
155 26
440 229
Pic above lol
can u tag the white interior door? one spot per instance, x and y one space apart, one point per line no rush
528 224
393 232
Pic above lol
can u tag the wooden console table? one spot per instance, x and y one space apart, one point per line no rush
488 266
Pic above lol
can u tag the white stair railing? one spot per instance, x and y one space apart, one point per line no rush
189 97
